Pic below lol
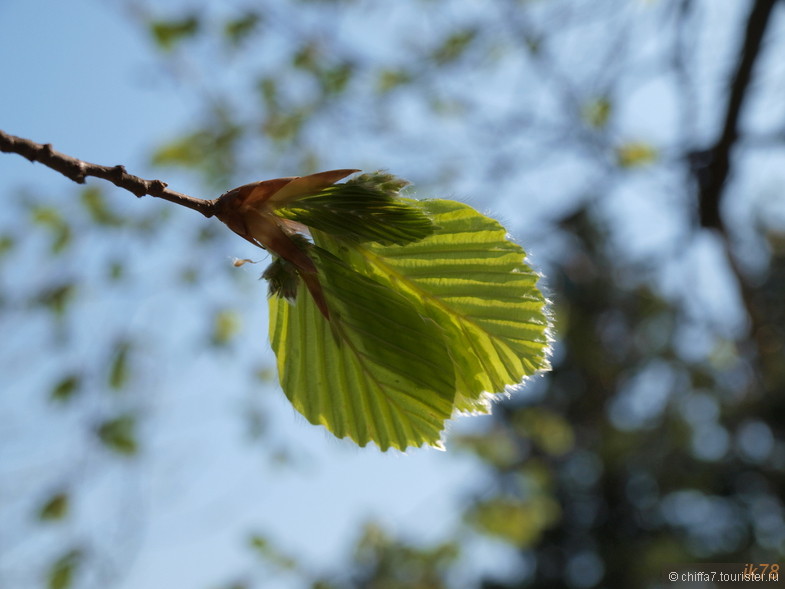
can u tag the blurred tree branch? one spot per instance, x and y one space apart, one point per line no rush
77 170
711 167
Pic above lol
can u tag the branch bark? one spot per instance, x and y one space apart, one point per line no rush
77 170
712 167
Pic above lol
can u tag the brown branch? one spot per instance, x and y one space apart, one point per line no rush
77 170
712 167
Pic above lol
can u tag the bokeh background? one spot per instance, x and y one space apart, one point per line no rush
635 148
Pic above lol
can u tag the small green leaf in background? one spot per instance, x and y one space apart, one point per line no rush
118 366
519 522
7 243
118 434
93 200
635 154
392 79
51 219
597 112
226 324
65 389
267 551
454 46
168 33
55 508
432 312
62 571
57 297
239 29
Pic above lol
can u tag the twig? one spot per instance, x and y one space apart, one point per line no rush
77 170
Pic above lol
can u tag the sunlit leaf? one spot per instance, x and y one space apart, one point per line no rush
51 219
459 305
454 46
226 324
377 371
100 212
519 522
471 280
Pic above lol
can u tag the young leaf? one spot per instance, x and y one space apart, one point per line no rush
376 371
473 282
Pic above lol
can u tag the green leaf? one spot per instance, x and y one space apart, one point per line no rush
364 209
53 221
168 33
473 282
518 522
118 434
597 112
391 79
635 154
55 508
238 29
454 46
118 369
93 200
225 326
377 371
421 323
62 571
66 387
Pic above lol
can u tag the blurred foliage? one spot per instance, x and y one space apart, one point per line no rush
62 572
55 508
119 434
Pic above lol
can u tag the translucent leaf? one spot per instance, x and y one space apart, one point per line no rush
367 209
473 282
377 371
